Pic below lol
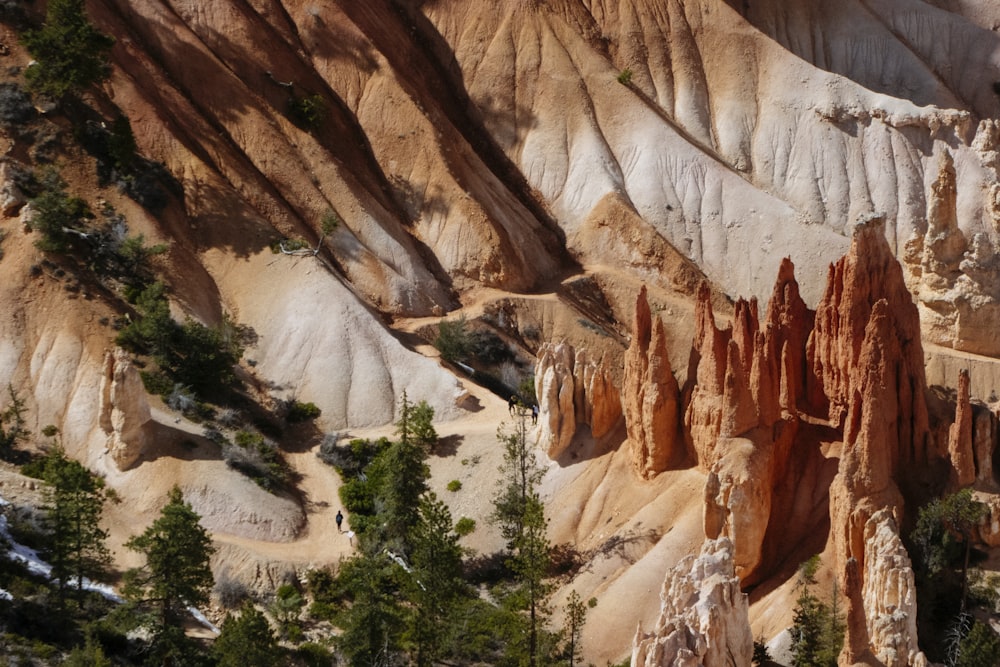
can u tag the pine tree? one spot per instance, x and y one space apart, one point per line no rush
75 502
12 424
399 476
576 616
520 476
435 586
246 640
70 53
817 628
372 623
177 551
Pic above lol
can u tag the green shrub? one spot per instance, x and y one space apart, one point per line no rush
454 485
465 526
300 412
625 77
56 214
307 111
70 53
314 655
453 341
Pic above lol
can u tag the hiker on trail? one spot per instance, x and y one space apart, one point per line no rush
511 404
534 413
340 520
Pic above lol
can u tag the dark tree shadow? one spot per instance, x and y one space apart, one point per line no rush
448 445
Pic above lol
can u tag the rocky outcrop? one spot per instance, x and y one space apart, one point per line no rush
573 389
650 397
875 385
890 595
703 618
703 413
124 410
963 467
865 276
984 438
956 281
11 196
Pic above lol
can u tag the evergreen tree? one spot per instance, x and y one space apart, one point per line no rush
943 534
75 502
818 628
246 640
56 213
520 476
436 587
89 655
530 564
372 621
576 616
399 477
70 53
415 424
12 424
177 551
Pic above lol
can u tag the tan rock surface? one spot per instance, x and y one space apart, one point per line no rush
704 618
890 595
125 413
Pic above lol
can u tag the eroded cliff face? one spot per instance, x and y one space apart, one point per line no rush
856 364
464 148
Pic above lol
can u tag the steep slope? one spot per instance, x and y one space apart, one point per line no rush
532 168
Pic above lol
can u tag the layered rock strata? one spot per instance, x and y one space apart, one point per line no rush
704 616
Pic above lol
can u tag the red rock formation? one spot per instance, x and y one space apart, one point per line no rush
963 466
983 443
703 414
739 413
704 617
866 357
788 322
650 397
867 274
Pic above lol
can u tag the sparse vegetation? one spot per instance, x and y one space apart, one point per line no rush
453 340
13 429
300 412
307 111
942 547
625 77
70 53
454 486
15 105
465 526
57 215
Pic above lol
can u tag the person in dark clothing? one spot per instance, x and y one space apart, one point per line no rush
340 520
511 403
534 414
